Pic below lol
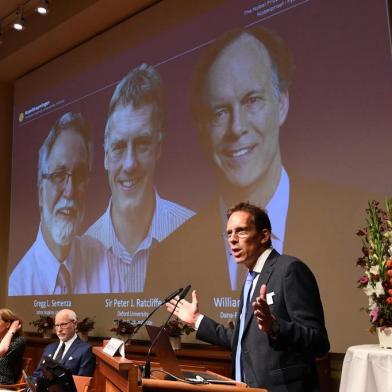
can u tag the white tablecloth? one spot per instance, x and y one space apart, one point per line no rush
367 368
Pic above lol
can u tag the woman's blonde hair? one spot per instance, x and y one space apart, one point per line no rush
7 315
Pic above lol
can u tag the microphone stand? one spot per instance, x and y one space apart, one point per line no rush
167 299
147 366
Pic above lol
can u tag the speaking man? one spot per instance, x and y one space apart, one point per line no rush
70 351
137 218
279 330
59 261
240 101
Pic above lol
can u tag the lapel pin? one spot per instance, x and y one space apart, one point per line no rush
270 299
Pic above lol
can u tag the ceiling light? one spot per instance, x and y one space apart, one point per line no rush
19 22
43 7
18 25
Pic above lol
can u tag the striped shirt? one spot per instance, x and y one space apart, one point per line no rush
168 216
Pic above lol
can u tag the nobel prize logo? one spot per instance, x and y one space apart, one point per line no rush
21 117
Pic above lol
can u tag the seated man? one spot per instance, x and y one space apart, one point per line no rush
70 351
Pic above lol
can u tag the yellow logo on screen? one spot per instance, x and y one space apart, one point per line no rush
21 117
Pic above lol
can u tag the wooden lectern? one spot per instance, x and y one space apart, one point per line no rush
117 374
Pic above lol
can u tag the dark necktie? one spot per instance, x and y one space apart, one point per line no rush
63 281
244 311
60 353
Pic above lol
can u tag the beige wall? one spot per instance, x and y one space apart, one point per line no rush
6 99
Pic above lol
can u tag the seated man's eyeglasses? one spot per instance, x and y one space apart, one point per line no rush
63 325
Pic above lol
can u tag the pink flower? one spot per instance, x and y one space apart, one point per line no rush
363 279
374 314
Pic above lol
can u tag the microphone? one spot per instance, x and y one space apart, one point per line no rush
147 365
184 292
167 299
173 294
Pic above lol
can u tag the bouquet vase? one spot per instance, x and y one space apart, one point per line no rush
385 337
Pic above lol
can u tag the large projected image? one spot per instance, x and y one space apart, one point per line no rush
240 100
137 216
59 261
123 168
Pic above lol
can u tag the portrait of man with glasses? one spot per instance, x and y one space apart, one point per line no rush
60 261
70 350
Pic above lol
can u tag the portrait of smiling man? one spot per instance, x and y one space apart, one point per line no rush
240 100
137 217
59 261
243 103
243 108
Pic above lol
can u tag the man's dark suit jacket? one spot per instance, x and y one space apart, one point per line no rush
287 363
79 358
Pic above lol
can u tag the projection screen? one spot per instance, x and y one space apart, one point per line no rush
148 215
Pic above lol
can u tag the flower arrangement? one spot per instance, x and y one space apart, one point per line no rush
376 261
176 328
43 323
86 325
123 327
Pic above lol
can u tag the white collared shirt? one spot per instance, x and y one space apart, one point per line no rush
92 268
168 216
68 344
259 267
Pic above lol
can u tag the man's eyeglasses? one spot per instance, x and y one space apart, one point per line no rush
61 177
62 325
241 233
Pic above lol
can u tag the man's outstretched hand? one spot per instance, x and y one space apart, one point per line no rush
186 311
261 310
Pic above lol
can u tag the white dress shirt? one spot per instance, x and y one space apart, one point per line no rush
92 268
68 344
168 216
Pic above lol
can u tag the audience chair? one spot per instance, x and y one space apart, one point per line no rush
82 383
20 385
